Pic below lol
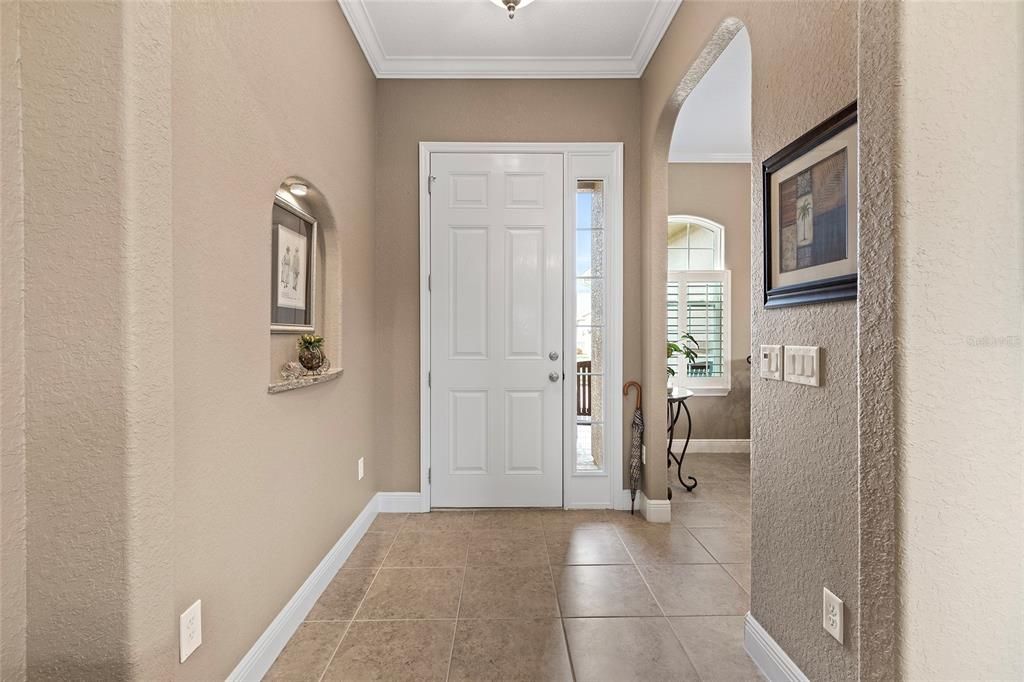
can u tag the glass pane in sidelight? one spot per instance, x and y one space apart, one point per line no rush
589 204
590 253
589 302
590 349
589 447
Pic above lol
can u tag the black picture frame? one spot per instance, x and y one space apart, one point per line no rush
286 319
838 288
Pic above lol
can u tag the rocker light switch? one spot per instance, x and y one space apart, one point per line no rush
803 365
771 362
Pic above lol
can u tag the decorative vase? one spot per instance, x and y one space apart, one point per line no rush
311 358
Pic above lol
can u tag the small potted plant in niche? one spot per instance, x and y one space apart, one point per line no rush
682 346
311 352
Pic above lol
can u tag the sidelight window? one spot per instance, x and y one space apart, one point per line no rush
591 325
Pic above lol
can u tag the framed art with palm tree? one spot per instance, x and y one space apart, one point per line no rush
810 216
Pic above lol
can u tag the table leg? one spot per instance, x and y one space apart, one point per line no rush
673 416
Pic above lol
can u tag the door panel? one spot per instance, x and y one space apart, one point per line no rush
467 292
496 315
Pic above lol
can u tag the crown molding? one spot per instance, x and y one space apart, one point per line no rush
654 30
384 66
709 158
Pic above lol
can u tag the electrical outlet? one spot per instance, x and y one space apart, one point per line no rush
360 468
832 615
190 630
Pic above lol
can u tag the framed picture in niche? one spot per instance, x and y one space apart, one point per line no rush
292 270
810 216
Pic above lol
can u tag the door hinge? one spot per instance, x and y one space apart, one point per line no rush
430 184
428 379
428 283
428 474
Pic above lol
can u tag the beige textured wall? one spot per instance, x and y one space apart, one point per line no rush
803 440
961 412
477 111
721 192
264 484
99 439
13 607
879 104
158 469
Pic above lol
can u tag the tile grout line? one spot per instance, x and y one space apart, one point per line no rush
458 609
720 565
548 533
558 603
664 617
360 605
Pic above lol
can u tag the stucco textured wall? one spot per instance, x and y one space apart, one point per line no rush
803 440
721 192
13 607
411 111
960 321
879 105
99 441
264 484
159 470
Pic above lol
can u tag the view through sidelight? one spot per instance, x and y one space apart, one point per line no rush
591 326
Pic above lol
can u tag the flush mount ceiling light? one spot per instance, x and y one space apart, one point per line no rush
298 189
511 6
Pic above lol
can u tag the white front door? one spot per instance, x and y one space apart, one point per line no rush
496 330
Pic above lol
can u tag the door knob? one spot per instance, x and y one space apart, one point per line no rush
554 376
553 355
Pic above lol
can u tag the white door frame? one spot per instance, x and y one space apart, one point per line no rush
577 489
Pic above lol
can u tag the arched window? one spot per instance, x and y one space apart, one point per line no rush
698 296
695 243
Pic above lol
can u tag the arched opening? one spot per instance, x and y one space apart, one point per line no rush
708 321
699 242
656 210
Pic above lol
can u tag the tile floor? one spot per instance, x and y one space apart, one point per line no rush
542 594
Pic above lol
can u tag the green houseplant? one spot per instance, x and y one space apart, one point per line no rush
311 351
686 345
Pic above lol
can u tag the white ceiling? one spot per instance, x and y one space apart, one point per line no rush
714 123
476 39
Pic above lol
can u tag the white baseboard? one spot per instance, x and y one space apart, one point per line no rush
768 655
255 664
401 503
713 445
655 511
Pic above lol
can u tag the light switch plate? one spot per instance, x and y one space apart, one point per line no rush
803 365
360 467
771 362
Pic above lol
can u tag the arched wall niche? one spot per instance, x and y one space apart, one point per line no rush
327 320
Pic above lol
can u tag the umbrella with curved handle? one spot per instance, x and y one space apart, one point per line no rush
635 450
